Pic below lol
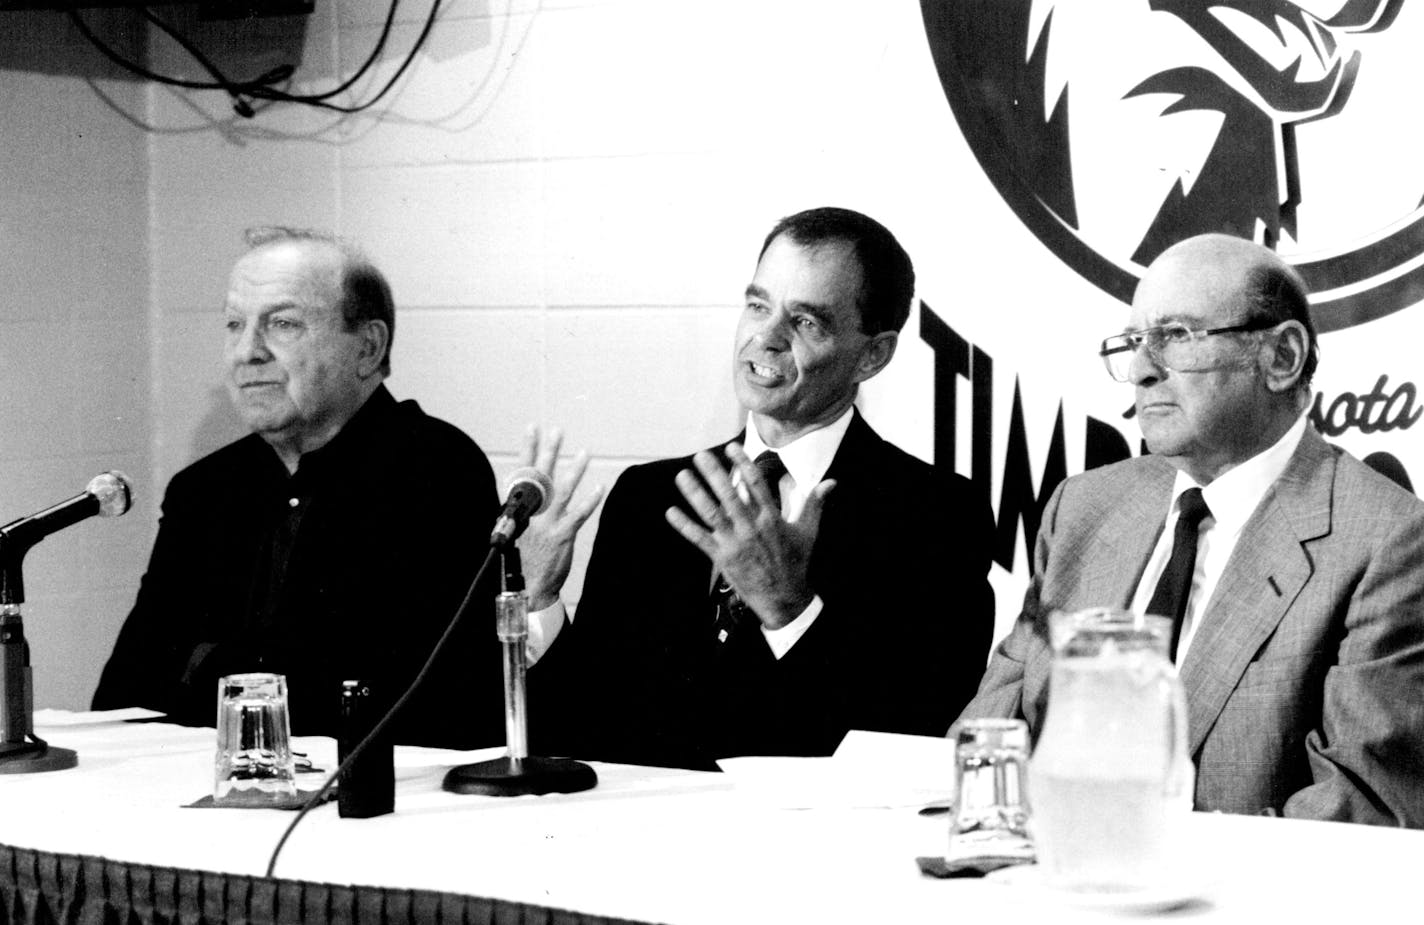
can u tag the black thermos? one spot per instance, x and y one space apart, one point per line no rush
368 787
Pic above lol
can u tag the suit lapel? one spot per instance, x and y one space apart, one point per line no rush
851 456
1266 572
851 468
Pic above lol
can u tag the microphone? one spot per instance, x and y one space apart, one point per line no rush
528 492
108 494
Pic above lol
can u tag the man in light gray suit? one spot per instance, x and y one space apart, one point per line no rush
1301 637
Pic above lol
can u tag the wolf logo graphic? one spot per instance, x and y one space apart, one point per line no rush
1115 129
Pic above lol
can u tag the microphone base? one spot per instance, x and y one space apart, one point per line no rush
506 777
31 758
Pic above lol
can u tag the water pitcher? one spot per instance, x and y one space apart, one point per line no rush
1110 777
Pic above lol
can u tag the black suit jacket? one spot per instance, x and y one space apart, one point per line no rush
394 519
901 563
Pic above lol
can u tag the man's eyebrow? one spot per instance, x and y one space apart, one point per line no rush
821 313
1164 320
266 311
288 306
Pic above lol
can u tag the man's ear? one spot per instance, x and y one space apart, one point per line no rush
876 354
1284 352
375 335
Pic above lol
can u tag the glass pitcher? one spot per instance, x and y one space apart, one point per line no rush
1110 777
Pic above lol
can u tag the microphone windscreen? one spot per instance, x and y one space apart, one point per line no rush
114 491
529 476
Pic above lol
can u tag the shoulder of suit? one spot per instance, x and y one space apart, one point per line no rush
430 430
1355 478
655 472
224 463
430 442
1138 467
893 469
425 454
863 439
1103 484
888 458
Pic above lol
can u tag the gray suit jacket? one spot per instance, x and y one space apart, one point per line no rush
1305 679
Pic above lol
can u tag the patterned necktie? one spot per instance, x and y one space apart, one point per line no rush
1170 597
730 608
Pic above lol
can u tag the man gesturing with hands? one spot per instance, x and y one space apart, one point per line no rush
824 581
761 553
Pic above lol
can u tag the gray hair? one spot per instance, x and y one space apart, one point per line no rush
1275 291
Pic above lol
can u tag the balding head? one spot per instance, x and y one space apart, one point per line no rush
1253 277
1209 401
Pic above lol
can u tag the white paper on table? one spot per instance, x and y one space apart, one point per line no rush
51 717
869 769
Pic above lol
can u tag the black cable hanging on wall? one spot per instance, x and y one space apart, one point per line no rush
264 86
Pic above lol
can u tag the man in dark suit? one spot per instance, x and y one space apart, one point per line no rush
1300 617
335 541
836 584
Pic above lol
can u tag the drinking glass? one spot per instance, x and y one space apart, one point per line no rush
991 808
254 759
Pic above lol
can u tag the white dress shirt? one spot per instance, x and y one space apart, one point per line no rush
806 459
1232 498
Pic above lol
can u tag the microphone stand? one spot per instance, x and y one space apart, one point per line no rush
21 752
517 772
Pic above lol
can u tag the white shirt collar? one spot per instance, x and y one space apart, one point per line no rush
807 457
1233 496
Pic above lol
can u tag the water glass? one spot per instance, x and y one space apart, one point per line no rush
254 759
991 807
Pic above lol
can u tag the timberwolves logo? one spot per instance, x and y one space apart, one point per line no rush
1115 129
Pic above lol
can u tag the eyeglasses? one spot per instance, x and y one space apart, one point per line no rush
1171 346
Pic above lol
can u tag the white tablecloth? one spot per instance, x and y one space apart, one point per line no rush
653 844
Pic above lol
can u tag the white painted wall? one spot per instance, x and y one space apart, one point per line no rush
74 338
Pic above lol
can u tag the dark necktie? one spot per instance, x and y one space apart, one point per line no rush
1170 597
771 467
730 608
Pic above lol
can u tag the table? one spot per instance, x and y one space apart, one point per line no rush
647 844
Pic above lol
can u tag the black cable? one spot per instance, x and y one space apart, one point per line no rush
279 73
261 88
233 89
316 798
129 66
409 60
239 105
361 71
